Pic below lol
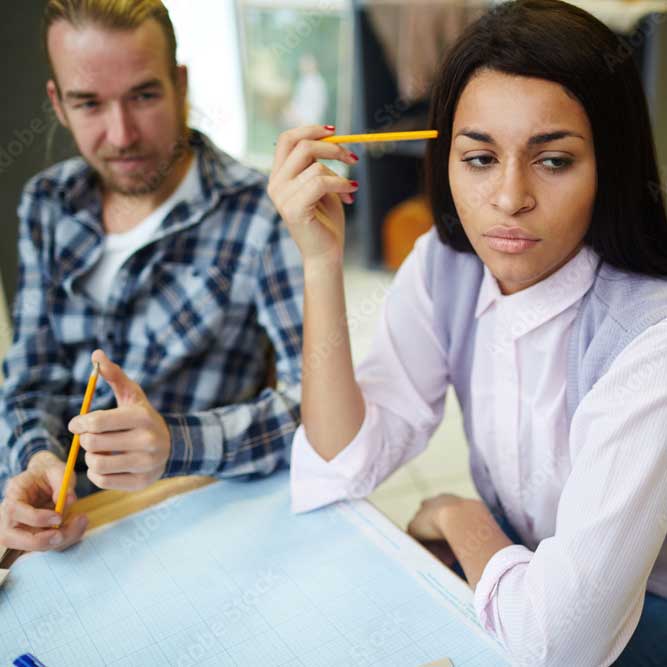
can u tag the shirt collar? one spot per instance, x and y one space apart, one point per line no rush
530 308
76 191
219 174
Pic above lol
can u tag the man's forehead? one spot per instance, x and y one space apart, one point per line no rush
91 57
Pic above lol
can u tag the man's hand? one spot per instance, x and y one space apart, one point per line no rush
27 518
127 448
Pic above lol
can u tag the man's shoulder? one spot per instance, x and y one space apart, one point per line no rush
54 181
224 172
243 190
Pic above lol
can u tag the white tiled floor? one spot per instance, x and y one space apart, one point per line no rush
444 464
443 467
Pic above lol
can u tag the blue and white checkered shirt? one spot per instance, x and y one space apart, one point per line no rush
191 318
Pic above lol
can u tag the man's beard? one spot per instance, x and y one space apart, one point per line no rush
152 181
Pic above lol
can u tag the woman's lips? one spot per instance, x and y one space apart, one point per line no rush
511 240
508 245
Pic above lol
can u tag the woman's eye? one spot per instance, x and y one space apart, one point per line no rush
479 161
556 163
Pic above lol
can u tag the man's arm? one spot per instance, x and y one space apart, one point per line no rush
256 435
31 415
32 404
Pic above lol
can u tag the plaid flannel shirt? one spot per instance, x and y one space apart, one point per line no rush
191 318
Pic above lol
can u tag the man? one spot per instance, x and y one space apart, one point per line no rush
163 252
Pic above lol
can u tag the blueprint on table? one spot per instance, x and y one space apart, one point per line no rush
226 575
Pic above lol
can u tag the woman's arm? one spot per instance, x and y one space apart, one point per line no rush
308 196
576 600
403 380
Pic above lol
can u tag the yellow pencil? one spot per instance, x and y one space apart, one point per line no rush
381 136
74 449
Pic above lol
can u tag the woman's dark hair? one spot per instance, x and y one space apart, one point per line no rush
553 40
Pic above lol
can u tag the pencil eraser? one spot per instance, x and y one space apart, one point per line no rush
3 575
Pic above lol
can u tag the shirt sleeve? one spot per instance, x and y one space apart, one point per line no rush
577 599
254 436
403 382
32 397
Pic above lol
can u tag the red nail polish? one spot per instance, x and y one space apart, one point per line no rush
354 156
354 184
330 128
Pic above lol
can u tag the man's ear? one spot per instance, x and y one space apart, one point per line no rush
54 98
182 80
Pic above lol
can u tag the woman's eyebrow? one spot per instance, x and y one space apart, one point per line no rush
543 138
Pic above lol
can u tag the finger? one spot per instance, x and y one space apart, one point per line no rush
441 550
313 190
287 140
72 530
16 512
133 440
124 418
25 540
33 488
122 482
306 152
125 390
55 479
113 464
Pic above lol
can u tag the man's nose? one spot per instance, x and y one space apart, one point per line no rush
121 129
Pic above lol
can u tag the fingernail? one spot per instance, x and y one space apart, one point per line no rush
354 156
329 128
55 521
354 184
56 540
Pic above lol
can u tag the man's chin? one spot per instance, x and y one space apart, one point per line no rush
132 185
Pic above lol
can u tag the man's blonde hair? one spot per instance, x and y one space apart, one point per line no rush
113 15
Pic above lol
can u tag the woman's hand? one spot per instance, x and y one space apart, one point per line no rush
426 527
466 525
309 195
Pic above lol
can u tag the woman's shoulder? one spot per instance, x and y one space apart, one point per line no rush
442 265
627 299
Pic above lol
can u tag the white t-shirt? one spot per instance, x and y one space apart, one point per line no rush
118 248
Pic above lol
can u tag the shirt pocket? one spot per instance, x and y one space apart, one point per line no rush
185 310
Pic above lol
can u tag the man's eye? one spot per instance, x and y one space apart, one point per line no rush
142 97
90 104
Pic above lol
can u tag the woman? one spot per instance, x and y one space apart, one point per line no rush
541 296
